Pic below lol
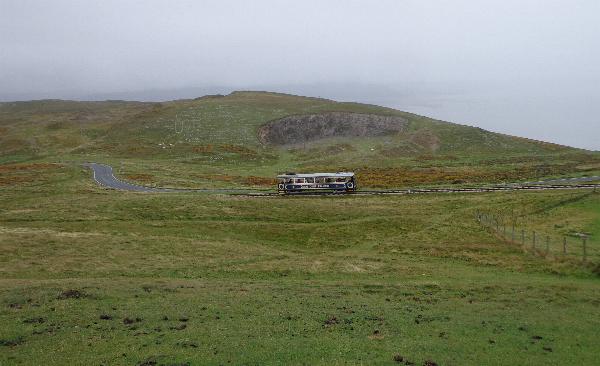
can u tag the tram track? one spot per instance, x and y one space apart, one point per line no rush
104 176
428 190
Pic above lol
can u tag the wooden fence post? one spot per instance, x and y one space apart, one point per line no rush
523 237
564 245
584 248
504 228
547 245
533 240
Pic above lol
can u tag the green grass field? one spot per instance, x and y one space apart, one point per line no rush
93 276
90 276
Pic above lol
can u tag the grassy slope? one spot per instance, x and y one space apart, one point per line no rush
212 142
221 279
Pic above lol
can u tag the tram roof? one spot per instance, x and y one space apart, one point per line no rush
314 175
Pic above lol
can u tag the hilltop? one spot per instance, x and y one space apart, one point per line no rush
246 137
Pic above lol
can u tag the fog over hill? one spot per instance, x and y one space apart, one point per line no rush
523 68
567 116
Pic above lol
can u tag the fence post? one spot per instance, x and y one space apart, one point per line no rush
533 240
547 245
564 245
584 248
523 237
504 228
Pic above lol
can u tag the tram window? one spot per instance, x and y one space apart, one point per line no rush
310 180
299 180
320 180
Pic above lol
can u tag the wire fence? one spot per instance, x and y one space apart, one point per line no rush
574 246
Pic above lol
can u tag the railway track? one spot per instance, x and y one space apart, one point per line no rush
103 175
430 190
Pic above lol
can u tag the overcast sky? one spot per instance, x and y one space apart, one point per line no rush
527 67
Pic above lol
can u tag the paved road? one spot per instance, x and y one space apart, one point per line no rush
103 175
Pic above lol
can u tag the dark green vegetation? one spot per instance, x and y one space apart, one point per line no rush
93 276
213 141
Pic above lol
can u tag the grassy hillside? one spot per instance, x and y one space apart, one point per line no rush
95 276
92 276
212 141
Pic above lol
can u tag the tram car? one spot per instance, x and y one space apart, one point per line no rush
337 182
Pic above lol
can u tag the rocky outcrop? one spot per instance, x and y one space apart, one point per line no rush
305 128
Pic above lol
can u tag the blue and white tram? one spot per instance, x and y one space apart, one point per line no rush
338 182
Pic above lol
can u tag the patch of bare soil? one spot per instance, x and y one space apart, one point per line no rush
71 294
12 342
305 128
331 321
128 320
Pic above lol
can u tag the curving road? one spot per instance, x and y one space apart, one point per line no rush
103 175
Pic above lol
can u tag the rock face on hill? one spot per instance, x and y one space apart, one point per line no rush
304 128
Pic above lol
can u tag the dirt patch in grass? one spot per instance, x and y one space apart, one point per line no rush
331 321
178 327
34 320
376 335
148 362
128 320
12 342
71 294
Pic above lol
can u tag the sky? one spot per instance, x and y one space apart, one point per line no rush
523 67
